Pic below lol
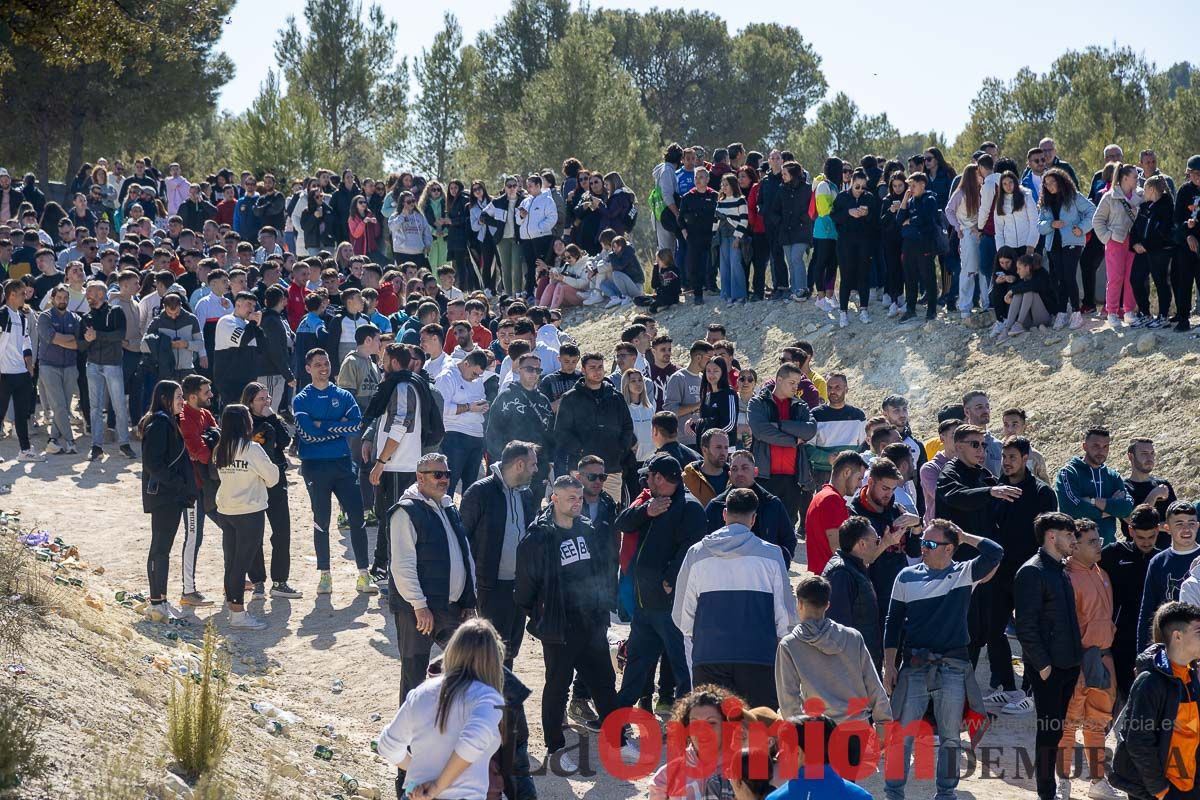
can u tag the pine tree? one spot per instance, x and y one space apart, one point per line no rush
439 112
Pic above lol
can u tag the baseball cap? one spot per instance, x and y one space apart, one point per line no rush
1193 163
664 465
3 172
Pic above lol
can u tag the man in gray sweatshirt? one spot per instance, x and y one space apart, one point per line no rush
823 660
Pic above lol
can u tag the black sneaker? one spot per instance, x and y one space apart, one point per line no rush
95 454
907 315
582 711
698 300
282 589
127 451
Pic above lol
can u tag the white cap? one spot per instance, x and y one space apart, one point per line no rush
3 172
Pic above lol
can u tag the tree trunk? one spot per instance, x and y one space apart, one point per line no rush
43 166
74 149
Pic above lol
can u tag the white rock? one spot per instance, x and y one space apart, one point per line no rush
1145 343
176 787
1079 345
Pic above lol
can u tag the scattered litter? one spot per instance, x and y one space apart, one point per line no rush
322 752
326 731
94 602
16 669
375 717
338 686
348 782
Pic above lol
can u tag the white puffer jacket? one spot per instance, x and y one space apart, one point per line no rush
1019 228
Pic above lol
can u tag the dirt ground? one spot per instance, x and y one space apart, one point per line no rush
87 671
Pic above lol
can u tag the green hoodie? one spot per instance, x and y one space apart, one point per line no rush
1078 483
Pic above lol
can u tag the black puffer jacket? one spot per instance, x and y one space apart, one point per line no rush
787 215
594 422
964 496
1046 623
1147 723
518 414
168 480
662 543
852 601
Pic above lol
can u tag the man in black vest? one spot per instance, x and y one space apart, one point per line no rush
496 512
431 580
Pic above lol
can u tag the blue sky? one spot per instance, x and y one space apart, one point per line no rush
920 89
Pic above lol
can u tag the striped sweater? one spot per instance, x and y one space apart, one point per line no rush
734 211
838 429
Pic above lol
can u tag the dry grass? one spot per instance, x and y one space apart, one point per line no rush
20 725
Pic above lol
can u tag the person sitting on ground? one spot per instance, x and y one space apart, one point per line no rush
1030 299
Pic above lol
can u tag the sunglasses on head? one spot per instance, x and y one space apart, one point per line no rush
438 474
929 544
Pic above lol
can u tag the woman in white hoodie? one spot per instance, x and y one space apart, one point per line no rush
443 737
246 472
1113 222
1016 216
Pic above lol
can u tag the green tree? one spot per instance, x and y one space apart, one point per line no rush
348 65
93 104
506 59
280 133
840 129
440 107
614 134
777 79
70 33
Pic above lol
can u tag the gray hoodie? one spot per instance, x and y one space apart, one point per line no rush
823 659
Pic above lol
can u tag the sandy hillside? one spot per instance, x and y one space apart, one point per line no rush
87 670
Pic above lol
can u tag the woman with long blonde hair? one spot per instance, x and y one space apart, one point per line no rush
447 729
433 205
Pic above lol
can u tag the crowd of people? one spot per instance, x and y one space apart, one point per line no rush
520 484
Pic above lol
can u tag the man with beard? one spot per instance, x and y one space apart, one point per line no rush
496 513
827 511
895 411
1142 486
522 413
1013 532
1088 487
771 522
978 412
966 495
877 502
659 368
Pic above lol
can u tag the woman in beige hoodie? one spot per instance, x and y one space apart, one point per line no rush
246 472
1113 223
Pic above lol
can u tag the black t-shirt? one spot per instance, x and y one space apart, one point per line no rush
42 285
718 482
1139 490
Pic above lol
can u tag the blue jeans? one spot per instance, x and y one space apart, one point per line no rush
106 384
987 261
464 454
650 633
325 479
948 702
733 273
793 255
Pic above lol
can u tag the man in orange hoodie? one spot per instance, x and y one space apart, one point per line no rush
1091 706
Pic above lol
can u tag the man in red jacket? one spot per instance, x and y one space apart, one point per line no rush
194 422
297 291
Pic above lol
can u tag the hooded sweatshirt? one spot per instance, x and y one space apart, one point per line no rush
733 600
824 660
1079 482
245 480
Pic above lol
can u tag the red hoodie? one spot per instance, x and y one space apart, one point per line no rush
295 303
192 423
629 539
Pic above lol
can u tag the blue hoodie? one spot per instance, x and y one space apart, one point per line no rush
829 786
339 417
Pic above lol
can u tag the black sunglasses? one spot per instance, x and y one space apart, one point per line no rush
595 476
974 443
931 545
438 474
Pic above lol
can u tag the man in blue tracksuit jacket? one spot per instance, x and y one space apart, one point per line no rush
1168 569
326 415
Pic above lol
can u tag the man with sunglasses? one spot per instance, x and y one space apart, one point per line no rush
928 612
430 580
521 412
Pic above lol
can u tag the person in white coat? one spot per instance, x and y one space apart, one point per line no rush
443 737
246 473
1016 215
536 216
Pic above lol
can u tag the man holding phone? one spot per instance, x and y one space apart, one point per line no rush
892 522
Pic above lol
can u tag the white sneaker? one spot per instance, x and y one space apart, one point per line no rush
893 310
997 329
1063 790
566 762
1060 321
30 455
53 448
820 303
628 301
843 319
614 302
1076 321
1131 318
1114 321
999 696
245 621
1022 706
1103 790
1016 330
864 317
887 300
629 753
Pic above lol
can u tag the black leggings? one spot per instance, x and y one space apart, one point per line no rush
854 263
918 276
1089 260
281 538
822 269
760 251
164 524
1185 273
1156 265
893 276
1063 263
241 540
18 386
